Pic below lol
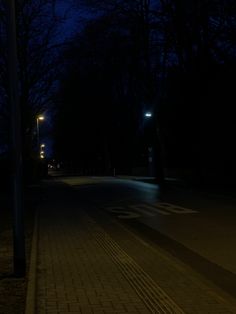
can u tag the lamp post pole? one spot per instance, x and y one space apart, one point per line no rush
155 153
151 160
19 261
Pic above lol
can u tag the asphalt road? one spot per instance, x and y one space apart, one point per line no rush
196 228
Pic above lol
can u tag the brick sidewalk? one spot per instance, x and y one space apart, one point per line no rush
82 270
75 276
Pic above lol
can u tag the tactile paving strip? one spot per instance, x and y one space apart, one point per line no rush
156 300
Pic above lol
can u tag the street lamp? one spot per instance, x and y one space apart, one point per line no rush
42 152
41 118
38 119
148 114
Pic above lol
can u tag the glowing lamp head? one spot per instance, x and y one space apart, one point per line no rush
148 115
41 118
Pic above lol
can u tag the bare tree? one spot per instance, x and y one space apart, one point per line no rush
39 51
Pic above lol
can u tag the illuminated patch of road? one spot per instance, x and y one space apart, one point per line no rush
77 181
148 210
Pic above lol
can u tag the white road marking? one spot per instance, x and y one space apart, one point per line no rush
148 210
123 213
175 208
151 210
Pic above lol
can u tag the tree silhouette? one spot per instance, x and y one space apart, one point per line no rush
39 62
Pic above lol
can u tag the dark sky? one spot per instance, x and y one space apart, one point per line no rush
76 17
72 16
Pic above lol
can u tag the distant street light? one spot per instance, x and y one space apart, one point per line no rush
42 152
148 114
38 119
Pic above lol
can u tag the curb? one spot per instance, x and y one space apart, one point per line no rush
31 286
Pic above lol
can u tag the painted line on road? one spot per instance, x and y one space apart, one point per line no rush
176 209
149 210
122 212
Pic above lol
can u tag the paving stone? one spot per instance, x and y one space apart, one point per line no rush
77 281
75 274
